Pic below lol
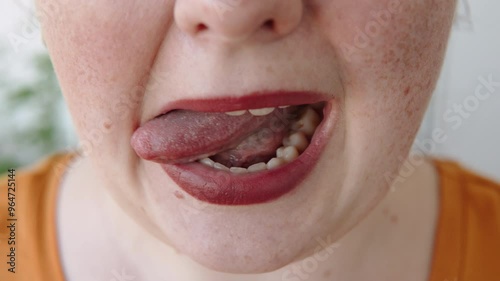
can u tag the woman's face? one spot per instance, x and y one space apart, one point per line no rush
121 63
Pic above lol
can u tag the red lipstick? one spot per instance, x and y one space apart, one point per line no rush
226 188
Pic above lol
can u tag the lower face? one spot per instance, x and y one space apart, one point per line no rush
372 65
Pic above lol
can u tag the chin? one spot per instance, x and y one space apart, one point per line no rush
242 259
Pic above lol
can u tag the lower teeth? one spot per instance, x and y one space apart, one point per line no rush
293 145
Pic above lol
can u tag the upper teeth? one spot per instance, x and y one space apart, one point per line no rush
236 113
254 112
261 111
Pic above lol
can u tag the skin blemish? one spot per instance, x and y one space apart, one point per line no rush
107 125
394 219
409 110
201 27
179 194
407 90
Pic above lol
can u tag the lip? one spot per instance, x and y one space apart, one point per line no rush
225 188
253 100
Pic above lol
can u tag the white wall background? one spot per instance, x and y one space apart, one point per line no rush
472 136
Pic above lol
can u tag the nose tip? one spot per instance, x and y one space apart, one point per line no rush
236 20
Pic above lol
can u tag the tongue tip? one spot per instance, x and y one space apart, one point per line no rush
147 148
142 146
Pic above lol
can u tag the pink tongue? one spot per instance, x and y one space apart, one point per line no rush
184 136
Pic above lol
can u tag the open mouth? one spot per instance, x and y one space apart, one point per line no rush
280 139
238 157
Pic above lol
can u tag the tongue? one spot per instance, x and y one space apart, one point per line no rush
183 136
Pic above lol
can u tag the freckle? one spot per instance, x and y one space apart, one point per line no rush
178 194
327 274
385 211
394 219
407 91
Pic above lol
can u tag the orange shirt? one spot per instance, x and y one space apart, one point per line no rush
467 241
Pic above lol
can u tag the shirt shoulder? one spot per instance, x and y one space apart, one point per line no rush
27 219
467 245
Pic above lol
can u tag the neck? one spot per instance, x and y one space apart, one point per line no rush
393 242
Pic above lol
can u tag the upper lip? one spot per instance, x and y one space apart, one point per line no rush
261 99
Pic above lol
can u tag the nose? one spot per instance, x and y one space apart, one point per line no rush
238 20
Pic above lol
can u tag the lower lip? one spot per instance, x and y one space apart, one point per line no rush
225 188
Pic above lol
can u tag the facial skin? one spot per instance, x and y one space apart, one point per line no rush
119 62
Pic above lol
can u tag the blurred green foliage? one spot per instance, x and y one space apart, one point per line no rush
30 113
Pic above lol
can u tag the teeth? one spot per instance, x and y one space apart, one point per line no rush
207 161
289 154
275 163
238 170
297 139
280 152
308 122
236 113
221 167
262 111
257 167
256 112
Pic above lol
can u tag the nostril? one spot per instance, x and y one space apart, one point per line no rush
201 27
269 24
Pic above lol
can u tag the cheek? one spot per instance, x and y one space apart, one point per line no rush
103 58
402 70
390 57
390 54
388 42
